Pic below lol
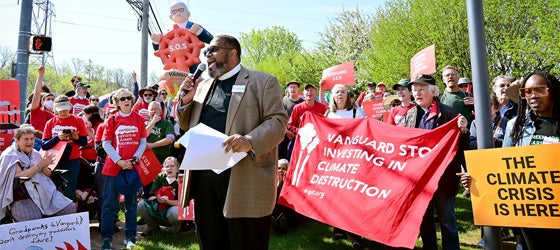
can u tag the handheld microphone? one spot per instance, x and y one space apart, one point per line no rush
201 68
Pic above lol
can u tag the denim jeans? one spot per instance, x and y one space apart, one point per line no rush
73 167
111 209
444 205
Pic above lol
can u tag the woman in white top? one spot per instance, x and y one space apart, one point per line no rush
340 105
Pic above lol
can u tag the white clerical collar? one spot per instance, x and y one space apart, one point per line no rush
231 73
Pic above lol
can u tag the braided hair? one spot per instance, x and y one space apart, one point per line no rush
554 90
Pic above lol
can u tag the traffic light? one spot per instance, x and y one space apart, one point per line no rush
41 43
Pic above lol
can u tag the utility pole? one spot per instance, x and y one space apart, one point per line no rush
22 64
479 65
144 52
89 78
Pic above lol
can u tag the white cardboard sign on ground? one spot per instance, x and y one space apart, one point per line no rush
60 232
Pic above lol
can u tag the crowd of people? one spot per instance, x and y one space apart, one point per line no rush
238 208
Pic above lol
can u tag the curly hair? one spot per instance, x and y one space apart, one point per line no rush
554 90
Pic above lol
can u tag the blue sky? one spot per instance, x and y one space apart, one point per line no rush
105 31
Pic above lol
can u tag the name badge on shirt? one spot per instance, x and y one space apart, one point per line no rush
238 89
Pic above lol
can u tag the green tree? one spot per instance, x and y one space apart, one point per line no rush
273 42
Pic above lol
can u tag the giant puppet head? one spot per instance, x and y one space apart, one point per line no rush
179 13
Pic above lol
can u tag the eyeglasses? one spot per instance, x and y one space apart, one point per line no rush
451 74
93 100
463 85
502 86
148 95
180 11
163 93
535 92
124 98
213 49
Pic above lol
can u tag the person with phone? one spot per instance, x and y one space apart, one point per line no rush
27 188
70 129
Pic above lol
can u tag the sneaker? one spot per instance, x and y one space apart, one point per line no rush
481 243
129 244
106 245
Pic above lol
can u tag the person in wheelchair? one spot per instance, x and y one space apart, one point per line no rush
27 191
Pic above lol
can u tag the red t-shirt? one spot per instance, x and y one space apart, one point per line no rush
38 118
141 108
299 109
99 132
57 124
88 152
125 134
397 115
78 105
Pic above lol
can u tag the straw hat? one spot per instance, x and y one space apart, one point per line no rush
513 91
387 101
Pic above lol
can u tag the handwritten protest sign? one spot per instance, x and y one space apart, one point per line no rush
516 187
355 175
60 232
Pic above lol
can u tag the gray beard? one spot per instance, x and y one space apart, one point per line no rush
218 71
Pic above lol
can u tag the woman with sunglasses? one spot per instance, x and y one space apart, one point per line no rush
537 122
124 141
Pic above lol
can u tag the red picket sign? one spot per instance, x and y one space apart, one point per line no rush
148 167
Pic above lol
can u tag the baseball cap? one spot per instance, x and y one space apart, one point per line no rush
293 82
82 84
402 82
309 85
464 80
381 83
371 84
424 79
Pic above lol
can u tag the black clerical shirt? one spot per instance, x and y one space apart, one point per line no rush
214 111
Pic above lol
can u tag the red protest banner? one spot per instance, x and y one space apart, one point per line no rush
356 175
424 62
148 167
9 102
343 73
57 150
9 111
185 213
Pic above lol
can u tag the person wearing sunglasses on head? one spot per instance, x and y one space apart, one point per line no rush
179 13
146 95
124 142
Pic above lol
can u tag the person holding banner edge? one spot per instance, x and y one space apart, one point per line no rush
429 113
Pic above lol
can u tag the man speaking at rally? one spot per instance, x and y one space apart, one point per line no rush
233 208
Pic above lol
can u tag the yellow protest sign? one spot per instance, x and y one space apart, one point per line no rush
516 187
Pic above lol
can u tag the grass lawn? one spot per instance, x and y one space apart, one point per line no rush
317 236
